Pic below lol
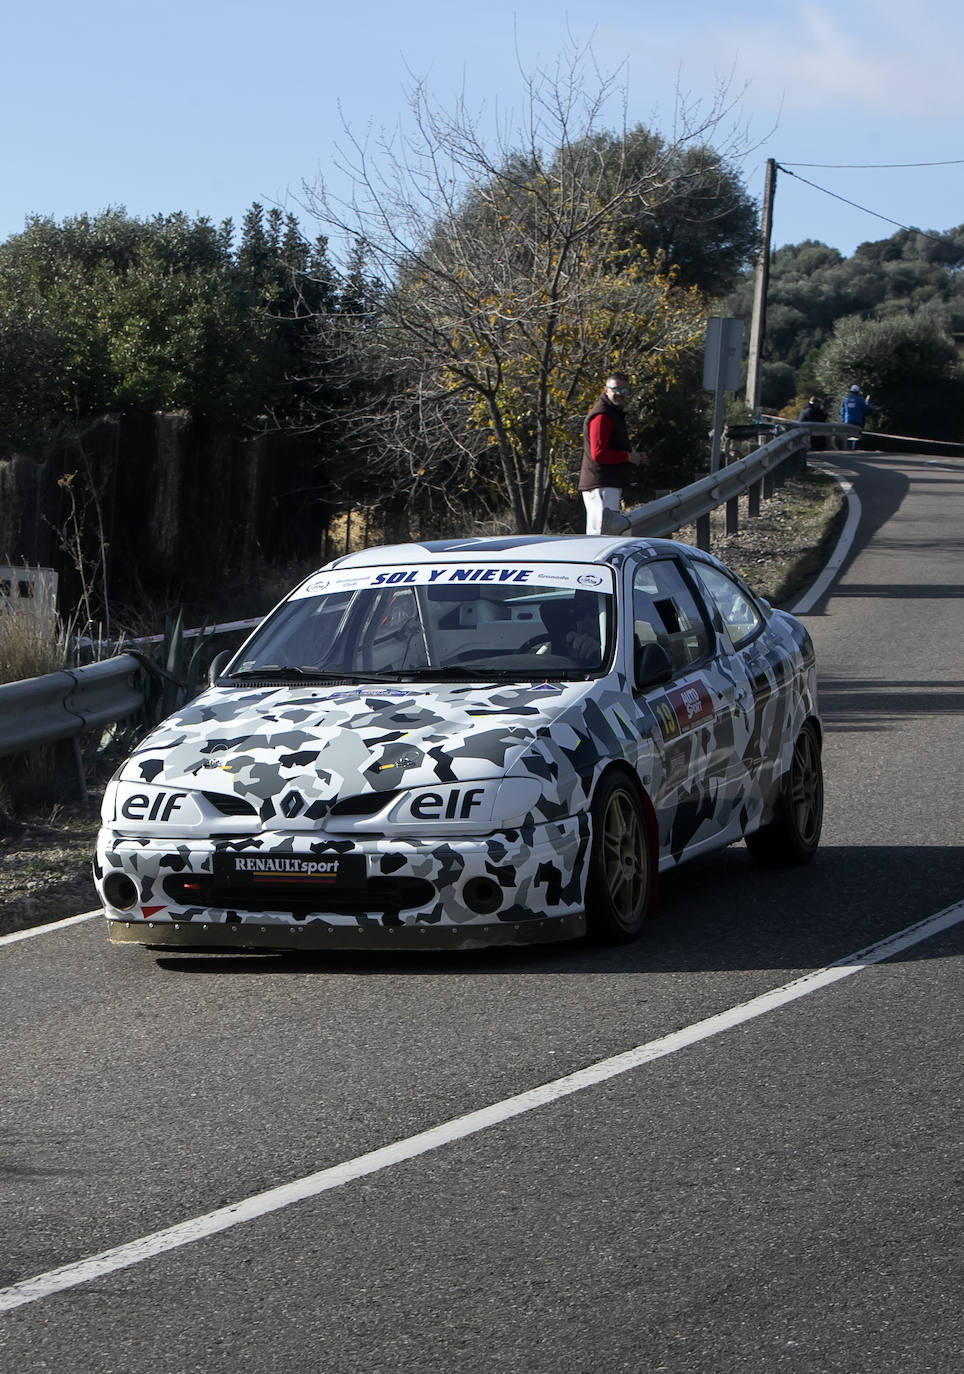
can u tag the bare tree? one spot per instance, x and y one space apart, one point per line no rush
509 293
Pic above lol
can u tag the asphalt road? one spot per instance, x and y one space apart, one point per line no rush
783 1194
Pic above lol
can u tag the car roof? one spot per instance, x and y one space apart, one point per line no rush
546 548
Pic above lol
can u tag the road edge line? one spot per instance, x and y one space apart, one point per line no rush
458 1128
841 551
30 931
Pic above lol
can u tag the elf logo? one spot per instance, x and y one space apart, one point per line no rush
455 805
139 806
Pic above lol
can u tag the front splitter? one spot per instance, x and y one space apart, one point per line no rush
315 935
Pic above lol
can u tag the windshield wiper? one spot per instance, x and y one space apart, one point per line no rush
274 670
477 672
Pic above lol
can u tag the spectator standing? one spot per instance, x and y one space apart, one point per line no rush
815 412
607 459
854 409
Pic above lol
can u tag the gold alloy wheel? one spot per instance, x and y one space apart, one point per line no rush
624 854
792 836
805 793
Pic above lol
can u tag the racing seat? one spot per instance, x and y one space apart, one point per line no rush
481 611
561 616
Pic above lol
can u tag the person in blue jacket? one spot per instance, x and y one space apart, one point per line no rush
854 409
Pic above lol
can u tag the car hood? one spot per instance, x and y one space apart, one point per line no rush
327 743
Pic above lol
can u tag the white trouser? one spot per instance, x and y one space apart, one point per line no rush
596 501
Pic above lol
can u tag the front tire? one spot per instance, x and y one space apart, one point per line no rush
791 838
620 880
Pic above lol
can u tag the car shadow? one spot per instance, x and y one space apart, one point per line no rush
720 913
849 704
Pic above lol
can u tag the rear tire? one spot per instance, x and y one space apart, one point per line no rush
791 838
620 880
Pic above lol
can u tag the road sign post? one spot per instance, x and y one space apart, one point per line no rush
721 373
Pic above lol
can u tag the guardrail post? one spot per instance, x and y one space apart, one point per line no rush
703 533
79 770
733 515
753 499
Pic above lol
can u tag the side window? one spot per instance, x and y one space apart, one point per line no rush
667 612
740 616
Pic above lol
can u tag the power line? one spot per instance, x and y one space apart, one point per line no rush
863 208
876 166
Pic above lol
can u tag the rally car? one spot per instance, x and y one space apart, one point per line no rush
465 743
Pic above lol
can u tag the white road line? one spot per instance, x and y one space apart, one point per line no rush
839 555
260 1204
31 931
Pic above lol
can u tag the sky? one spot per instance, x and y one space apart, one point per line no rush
206 106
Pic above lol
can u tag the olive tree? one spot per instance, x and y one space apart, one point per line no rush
510 289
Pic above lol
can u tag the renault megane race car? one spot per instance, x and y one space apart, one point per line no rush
465 743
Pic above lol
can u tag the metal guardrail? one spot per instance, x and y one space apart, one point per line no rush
59 706
659 519
62 706
827 428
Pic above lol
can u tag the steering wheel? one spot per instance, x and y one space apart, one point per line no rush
539 643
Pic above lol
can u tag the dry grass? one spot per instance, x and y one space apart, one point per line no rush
780 551
45 865
29 646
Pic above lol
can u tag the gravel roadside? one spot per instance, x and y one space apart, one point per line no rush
45 855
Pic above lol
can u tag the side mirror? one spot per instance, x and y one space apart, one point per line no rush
653 667
218 664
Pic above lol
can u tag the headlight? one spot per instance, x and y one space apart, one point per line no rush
108 804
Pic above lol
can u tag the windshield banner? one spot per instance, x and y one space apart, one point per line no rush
582 576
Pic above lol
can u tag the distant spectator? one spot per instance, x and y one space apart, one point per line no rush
854 409
814 411
607 459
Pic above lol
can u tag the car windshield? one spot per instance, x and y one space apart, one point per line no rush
442 620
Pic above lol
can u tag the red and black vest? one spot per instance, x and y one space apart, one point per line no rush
593 474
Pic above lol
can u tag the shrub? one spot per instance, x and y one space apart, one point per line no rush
908 366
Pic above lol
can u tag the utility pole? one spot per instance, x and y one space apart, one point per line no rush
760 281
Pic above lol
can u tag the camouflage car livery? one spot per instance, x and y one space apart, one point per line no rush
407 751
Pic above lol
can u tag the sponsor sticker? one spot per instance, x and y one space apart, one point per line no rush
143 804
313 870
518 575
366 693
683 708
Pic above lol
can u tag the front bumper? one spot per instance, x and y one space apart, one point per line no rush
516 887
218 936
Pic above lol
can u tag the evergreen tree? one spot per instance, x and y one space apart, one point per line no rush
907 365
115 314
813 289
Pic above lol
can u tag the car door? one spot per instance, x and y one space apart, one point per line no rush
690 718
761 675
